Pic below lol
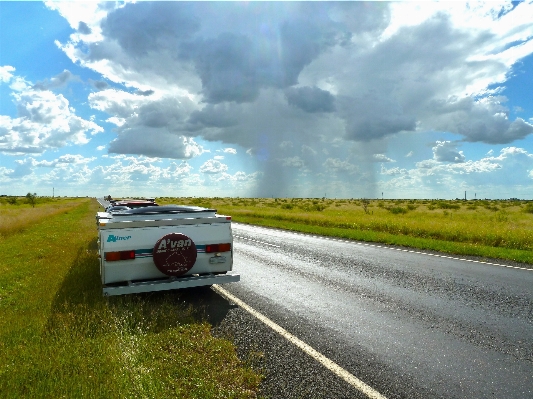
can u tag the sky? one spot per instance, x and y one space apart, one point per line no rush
267 99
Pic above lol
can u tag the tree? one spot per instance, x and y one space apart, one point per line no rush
12 200
365 203
31 198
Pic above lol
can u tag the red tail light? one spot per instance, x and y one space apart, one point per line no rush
120 255
218 248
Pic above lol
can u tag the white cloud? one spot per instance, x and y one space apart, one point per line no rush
504 176
393 171
315 85
293 162
45 121
382 158
446 151
153 142
192 59
213 167
337 165
307 150
5 73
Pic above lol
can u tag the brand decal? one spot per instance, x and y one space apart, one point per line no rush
172 245
114 238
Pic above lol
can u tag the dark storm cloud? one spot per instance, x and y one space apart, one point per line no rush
303 41
239 57
146 27
338 80
212 116
167 113
311 99
374 116
226 67
234 67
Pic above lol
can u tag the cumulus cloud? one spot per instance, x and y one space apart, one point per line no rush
393 171
483 120
446 151
158 144
377 77
344 76
502 176
213 166
293 162
336 165
45 121
5 73
27 166
382 158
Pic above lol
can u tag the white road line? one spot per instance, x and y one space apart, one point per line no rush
259 242
405 250
329 364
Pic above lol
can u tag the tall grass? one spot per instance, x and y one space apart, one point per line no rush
59 337
501 229
16 214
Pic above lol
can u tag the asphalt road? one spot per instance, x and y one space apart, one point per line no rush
408 324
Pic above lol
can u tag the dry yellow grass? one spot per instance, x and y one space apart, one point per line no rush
15 218
502 229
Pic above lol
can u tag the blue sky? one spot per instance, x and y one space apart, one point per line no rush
267 99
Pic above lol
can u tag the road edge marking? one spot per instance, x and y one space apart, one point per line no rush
329 364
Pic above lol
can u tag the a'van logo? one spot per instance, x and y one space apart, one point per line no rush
114 238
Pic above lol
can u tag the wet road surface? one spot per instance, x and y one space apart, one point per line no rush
410 325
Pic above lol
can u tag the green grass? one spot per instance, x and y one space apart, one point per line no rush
491 229
59 337
16 214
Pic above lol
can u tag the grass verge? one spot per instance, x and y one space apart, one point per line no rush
60 338
14 218
466 249
496 229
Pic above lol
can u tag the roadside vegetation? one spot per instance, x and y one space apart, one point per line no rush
18 213
59 337
486 228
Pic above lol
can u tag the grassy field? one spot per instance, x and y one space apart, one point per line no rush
16 213
491 229
60 338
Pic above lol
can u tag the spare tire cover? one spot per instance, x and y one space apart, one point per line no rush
174 254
